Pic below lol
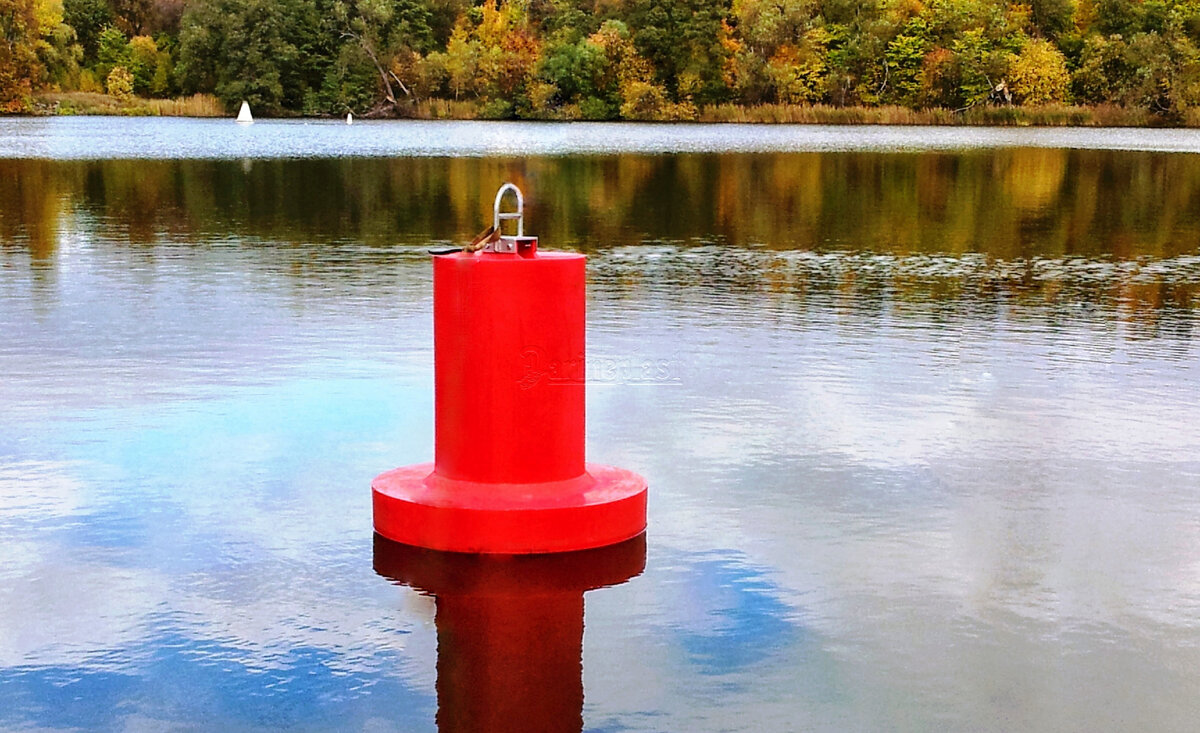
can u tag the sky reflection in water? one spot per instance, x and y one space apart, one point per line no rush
941 483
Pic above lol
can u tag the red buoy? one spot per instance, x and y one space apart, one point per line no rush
509 474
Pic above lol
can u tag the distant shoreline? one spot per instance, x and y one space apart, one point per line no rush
203 105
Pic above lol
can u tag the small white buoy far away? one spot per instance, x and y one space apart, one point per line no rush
349 118
244 117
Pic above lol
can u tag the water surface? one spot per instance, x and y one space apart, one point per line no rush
921 435
84 138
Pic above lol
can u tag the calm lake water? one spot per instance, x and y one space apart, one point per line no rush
922 428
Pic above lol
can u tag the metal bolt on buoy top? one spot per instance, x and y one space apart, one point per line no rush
509 474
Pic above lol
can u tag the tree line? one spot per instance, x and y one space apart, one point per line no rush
607 59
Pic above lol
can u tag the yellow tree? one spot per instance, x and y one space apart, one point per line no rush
493 59
508 49
1038 75
460 59
799 73
24 27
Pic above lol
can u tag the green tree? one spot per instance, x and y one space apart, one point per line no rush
574 70
765 25
904 63
564 21
682 41
1106 72
1167 78
143 63
1053 18
982 64
88 18
857 58
266 52
385 33
112 49
1118 17
443 16
350 83
626 84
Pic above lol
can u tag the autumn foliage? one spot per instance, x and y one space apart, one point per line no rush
24 25
612 59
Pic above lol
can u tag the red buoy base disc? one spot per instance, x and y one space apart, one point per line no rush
416 506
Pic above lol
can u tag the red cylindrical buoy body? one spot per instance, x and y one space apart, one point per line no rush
508 336
509 474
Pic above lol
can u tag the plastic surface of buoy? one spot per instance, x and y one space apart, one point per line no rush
244 116
509 474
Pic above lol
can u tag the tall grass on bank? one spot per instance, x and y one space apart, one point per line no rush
93 103
821 114
446 109
1052 115
197 105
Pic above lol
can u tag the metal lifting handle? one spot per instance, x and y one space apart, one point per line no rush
519 214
